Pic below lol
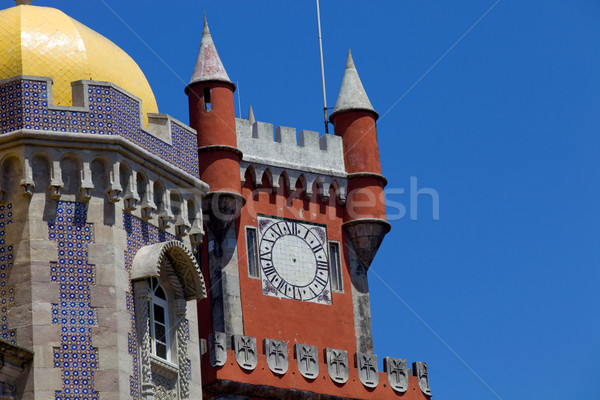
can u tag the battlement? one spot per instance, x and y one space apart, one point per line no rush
305 151
99 108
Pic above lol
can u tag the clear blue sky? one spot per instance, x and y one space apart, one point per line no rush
505 128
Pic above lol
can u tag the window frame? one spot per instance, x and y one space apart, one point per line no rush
164 304
248 255
340 274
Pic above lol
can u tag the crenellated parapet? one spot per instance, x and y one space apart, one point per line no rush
315 163
99 108
304 151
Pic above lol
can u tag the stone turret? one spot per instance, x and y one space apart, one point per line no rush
212 114
354 119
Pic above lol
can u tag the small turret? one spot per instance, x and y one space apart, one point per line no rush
354 119
212 115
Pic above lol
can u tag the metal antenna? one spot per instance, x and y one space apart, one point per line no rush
322 69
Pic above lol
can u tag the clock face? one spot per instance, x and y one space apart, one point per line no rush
293 260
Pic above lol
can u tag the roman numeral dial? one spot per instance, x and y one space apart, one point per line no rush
293 260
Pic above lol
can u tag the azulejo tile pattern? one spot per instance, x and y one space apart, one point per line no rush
24 105
7 294
75 357
140 234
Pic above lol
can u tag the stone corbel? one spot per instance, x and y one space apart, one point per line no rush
196 235
182 227
147 205
165 216
148 210
164 219
114 189
341 197
87 186
196 232
27 182
131 197
28 189
56 182
182 223
113 193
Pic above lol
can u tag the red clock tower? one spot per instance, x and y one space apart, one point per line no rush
294 221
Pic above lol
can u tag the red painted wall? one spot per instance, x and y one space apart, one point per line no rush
292 320
322 384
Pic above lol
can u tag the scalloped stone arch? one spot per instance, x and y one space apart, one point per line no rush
148 260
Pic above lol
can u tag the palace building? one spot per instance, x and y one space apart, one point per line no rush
145 258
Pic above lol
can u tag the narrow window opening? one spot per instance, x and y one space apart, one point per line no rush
206 92
159 320
336 267
253 271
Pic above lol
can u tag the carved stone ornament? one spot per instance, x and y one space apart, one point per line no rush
113 195
28 189
368 371
337 365
397 373
308 360
85 194
217 347
277 355
55 191
420 371
245 351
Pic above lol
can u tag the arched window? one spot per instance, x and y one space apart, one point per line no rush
159 320
165 278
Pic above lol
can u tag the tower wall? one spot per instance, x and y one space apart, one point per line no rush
212 115
82 189
301 177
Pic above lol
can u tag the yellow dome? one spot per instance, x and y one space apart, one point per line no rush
44 41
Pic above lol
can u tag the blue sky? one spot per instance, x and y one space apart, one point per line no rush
500 296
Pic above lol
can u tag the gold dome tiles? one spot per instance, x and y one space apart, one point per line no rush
42 41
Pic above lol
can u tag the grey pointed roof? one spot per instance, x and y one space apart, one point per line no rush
208 65
352 94
251 118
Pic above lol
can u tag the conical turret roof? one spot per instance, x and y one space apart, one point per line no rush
208 65
352 94
251 118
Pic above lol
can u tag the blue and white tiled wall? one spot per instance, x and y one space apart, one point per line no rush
76 358
7 294
24 105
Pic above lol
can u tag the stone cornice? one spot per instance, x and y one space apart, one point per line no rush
82 141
